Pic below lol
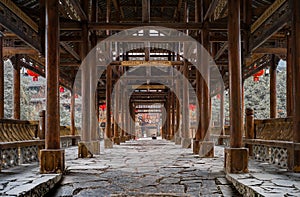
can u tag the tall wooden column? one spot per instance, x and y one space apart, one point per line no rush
72 115
116 110
16 90
236 157
178 112
1 78
198 135
289 77
296 83
168 120
273 89
186 134
173 114
85 148
206 146
108 132
123 117
52 157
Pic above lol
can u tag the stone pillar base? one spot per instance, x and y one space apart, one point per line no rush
177 140
220 141
127 137
186 142
108 143
172 138
196 147
123 139
52 161
116 140
236 160
95 147
207 149
84 149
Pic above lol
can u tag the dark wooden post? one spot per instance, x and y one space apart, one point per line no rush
178 130
84 146
123 119
236 157
250 128
108 133
186 136
116 110
173 125
168 120
16 90
1 78
52 157
273 89
222 111
289 77
42 125
198 136
206 146
72 116
296 84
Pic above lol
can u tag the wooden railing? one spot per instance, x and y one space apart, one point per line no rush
268 140
20 142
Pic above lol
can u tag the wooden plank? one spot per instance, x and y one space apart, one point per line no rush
79 10
267 14
20 14
270 27
11 21
277 51
211 9
70 50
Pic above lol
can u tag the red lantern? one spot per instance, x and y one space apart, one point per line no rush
192 107
76 95
218 96
61 89
33 74
257 75
103 107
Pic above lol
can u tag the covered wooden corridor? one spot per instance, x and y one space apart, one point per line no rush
151 68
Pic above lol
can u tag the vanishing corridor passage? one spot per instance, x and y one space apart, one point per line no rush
144 168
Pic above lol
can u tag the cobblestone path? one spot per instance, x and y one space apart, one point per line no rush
144 168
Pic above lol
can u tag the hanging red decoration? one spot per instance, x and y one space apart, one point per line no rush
192 107
257 75
103 107
33 74
218 96
61 89
76 95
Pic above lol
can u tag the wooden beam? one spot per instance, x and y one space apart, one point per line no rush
23 28
117 7
270 26
10 51
277 51
221 51
267 14
177 11
79 10
70 50
119 26
211 9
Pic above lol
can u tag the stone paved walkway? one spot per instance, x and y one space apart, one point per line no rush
145 168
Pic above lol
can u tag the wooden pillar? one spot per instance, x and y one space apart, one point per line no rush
178 112
289 77
186 135
123 117
85 147
236 157
173 125
296 83
222 119
1 78
168 120
72 115
198 135
206 146
273 89
52 157
249 128
108 132
16 90
116 110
